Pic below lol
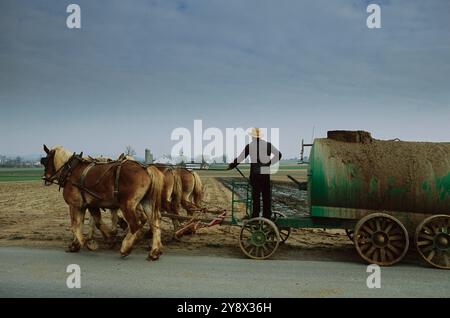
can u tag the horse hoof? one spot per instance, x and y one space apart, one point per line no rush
73 248
152 258
154 255
91 245
124 254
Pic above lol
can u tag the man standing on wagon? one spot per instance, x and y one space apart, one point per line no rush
260 152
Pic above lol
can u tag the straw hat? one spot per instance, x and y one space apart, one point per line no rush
256 133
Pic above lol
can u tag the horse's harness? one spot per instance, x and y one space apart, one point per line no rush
60 176
64 172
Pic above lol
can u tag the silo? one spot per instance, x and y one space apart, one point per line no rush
148 156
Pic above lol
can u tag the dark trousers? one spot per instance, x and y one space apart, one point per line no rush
261 186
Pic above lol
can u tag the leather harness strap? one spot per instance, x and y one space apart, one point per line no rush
81 186
84 189
116 183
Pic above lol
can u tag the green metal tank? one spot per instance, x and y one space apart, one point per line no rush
352 174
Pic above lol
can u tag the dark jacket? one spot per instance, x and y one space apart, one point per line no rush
260 152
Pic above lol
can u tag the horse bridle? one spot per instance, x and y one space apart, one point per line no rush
60 176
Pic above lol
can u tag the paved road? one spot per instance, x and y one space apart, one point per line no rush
26 272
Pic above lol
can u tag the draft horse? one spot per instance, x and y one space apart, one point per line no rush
122 184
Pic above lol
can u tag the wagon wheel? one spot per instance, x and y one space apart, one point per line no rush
350 234
381 239
284 231
259 238
432 240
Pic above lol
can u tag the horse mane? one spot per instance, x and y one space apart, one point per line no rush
101 159
124 156
62 155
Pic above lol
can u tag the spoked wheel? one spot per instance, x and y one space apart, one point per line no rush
350 234
284 231
259 238
433 240
381 239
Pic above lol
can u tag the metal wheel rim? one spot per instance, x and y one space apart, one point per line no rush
381 239
284 231
429 237
260 250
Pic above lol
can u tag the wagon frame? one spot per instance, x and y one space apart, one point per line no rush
380 236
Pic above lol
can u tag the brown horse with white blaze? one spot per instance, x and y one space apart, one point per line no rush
121 185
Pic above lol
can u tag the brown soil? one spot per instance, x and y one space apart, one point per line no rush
399 159
34 215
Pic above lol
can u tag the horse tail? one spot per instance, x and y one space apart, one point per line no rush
198 189
177 191
155 191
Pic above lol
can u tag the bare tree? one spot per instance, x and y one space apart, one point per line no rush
129 151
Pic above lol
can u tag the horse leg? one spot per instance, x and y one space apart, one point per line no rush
170 207
91 232
122 223
175 200
130 213
187 204
167 200
141 214
114 225
142 217
175 209
114 221
154 218
74 246
90 241
127 243
104 229
76 218
156 250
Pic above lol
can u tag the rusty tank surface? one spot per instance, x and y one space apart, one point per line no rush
353 170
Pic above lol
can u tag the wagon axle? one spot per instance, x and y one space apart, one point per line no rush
380 239
442 241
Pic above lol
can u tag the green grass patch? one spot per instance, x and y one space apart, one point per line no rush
20 174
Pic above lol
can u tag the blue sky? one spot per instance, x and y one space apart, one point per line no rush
138 69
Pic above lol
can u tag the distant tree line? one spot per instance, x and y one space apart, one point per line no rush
17 162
